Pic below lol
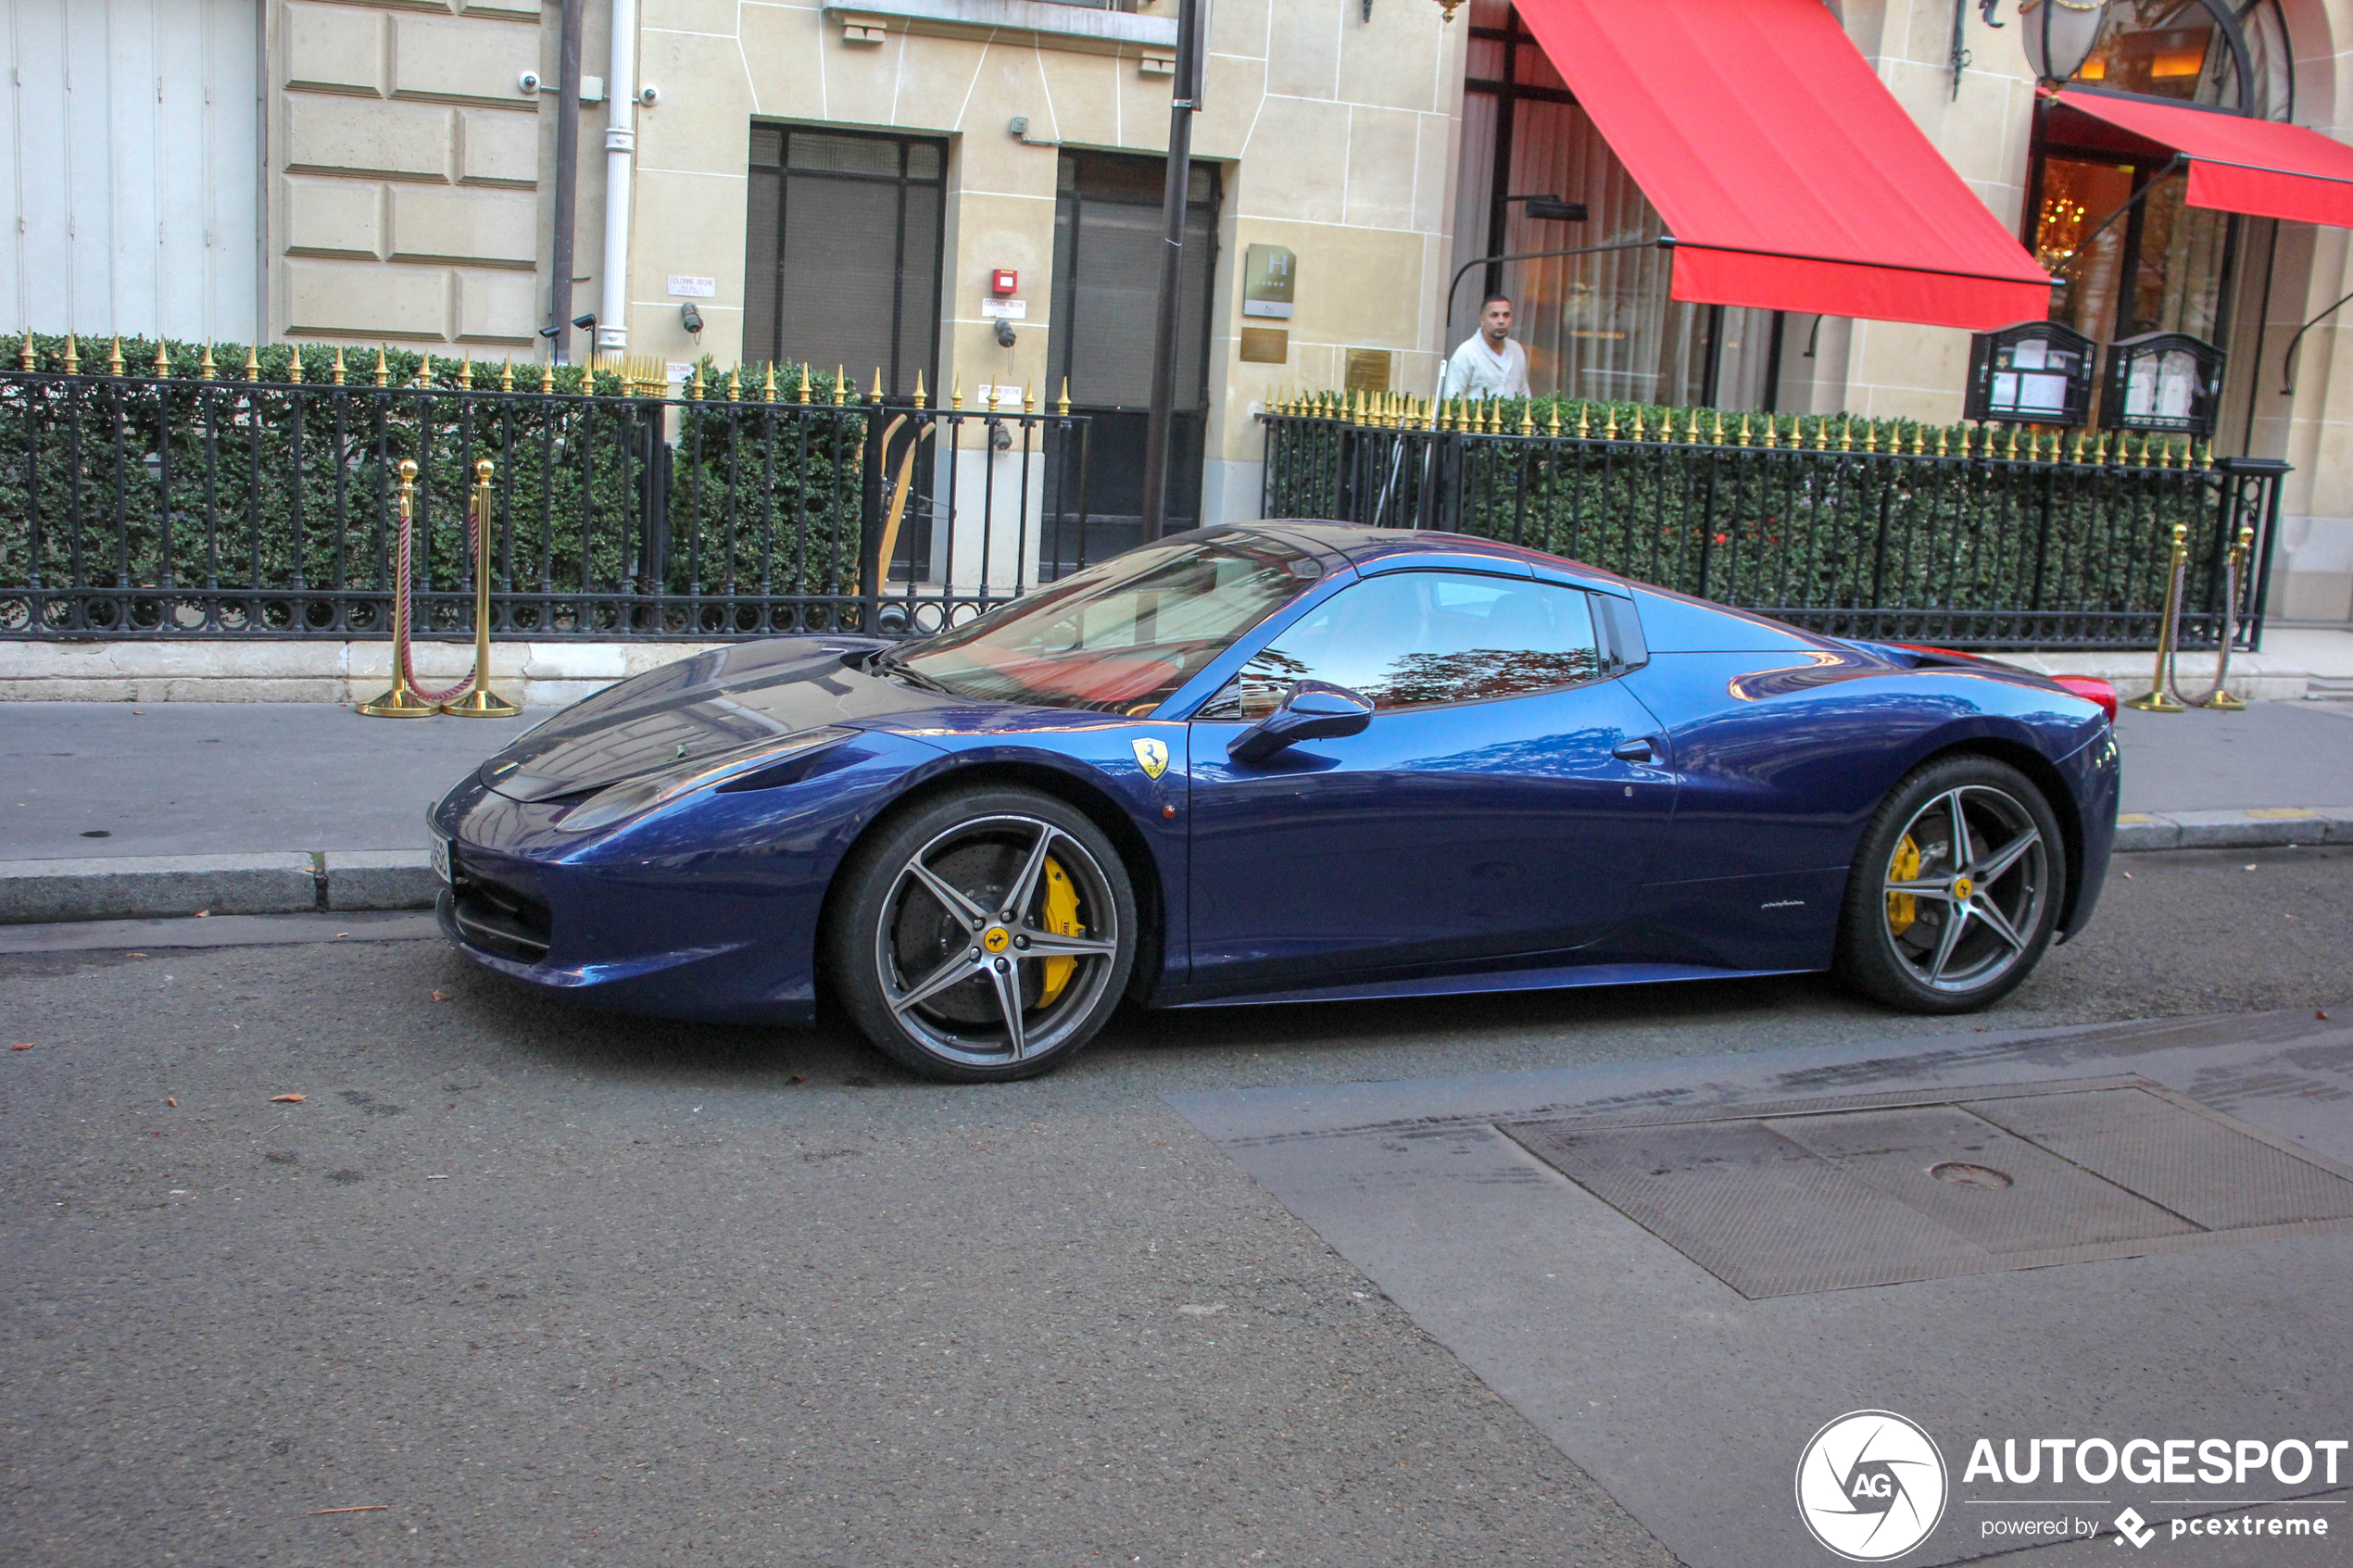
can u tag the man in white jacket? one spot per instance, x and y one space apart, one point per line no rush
1488 364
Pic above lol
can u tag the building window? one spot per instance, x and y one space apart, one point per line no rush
2190 51
842 254
2107 212
1594 326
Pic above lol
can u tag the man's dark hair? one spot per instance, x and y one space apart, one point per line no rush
1491 299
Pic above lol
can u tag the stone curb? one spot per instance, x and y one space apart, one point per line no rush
2251 829
159 886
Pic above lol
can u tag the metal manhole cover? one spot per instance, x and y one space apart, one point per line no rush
1826 1195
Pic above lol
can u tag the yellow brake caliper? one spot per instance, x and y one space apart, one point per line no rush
1902 908
1061 918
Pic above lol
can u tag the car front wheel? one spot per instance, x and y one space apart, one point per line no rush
986 937
1956 888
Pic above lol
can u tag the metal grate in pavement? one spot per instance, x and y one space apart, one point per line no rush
1851 1191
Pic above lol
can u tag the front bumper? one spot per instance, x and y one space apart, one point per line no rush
707 907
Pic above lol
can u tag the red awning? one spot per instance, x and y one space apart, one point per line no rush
1789 176
2257 167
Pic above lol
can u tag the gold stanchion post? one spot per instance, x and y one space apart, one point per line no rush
2240 552
2158 699
481 702
401 702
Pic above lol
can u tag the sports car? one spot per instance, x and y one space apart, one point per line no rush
1281 762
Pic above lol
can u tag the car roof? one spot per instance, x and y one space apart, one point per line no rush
1366 547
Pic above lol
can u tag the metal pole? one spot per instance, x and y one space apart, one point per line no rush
1174 190
575 16
481 702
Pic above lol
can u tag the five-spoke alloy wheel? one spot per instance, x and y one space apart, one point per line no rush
1956 890
984 937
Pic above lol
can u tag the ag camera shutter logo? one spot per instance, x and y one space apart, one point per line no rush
1870 1485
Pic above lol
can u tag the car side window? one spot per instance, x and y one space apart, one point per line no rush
1410 639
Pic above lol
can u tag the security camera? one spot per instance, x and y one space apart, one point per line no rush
691 318
1004 335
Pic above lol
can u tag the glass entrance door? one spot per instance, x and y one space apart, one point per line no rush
1107 245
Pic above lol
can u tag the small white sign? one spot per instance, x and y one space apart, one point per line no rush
679 372
1278 308
694 288
1004 310
1007 396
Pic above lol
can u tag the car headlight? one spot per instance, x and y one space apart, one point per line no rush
631 797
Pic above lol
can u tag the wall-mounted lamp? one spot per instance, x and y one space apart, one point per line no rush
2059 35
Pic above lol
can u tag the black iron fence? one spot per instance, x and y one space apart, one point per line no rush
205 505
187 502
1979 538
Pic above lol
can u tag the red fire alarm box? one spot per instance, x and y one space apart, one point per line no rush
1004 281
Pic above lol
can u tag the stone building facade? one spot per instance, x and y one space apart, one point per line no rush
398 160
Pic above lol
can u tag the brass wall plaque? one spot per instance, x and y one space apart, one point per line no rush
1266 345
1368 370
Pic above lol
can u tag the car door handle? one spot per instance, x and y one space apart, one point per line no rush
1635 752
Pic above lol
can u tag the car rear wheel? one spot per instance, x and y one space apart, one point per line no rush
1955 889
986 937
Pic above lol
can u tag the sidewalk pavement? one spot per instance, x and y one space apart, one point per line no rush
2296 662
114 811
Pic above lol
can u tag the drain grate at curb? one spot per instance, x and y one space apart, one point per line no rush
1796 1197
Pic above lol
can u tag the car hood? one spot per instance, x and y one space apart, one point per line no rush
719 701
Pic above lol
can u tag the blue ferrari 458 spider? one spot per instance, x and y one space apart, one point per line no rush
1281 761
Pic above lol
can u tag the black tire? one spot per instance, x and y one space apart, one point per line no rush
932 971
1929 932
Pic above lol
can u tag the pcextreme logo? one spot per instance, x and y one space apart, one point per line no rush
1870 1485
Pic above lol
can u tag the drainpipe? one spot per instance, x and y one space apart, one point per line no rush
567 180
621 147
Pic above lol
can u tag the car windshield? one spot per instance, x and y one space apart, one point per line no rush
1121 637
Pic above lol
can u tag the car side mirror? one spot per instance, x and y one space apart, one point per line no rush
1312 710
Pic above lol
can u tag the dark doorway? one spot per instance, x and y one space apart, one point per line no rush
842 256
1107 243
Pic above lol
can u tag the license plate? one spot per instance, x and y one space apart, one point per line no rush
441 857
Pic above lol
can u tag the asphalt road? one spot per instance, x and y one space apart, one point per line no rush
537 1286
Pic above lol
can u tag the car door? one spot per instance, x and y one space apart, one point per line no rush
1498 804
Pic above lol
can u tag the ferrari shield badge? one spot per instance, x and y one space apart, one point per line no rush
1153 756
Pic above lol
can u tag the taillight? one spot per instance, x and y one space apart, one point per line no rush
2093 688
